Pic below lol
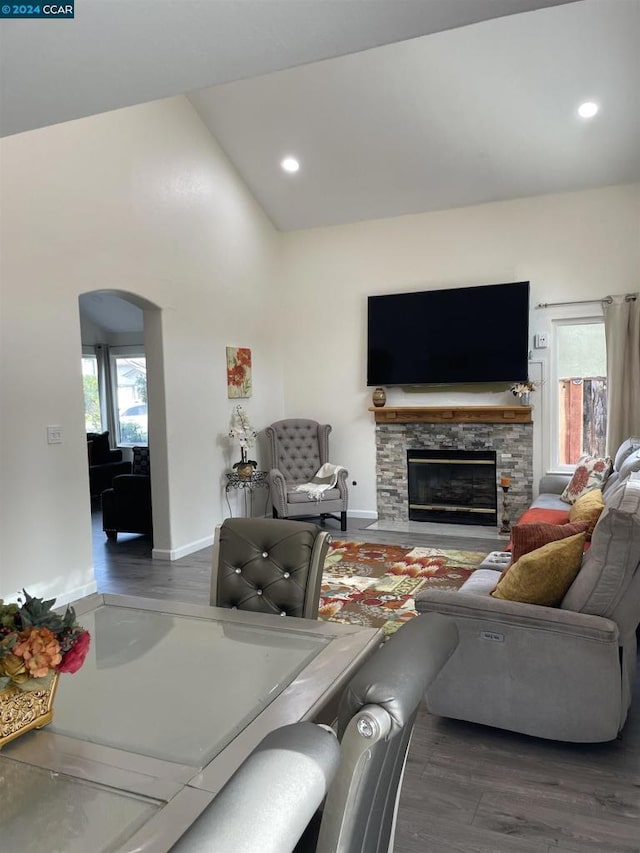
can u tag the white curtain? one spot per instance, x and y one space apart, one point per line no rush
622 332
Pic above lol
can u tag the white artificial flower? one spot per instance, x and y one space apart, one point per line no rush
241 428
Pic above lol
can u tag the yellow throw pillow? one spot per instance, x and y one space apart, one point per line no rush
543 576
588 508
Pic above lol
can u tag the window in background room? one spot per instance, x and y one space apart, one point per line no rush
92 414
130 391
580 390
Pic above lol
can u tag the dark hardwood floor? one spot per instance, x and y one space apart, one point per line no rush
467 788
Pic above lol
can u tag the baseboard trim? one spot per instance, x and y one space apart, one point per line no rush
75 594
363 513
183 551
61 600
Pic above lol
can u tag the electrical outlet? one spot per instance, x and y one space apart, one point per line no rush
54 434
541 341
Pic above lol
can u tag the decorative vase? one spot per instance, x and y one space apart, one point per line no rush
245 467
525 399
379 397
244 470
23 710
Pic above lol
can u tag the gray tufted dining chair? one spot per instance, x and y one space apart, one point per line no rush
298 448
268 566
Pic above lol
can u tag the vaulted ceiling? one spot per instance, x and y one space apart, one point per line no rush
482 113
116 53
391 106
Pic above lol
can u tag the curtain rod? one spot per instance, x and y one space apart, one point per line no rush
629 297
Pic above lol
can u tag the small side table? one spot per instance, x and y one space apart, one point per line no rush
257 480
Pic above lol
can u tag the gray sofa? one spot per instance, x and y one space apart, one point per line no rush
563 673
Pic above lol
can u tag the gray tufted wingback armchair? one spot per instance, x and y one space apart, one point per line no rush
268 566
298 448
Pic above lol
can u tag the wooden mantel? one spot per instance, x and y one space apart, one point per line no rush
452 414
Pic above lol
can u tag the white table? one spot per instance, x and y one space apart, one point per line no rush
170 700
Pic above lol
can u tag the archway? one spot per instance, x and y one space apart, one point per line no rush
121 334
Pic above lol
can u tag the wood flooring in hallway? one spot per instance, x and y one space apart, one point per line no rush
467 788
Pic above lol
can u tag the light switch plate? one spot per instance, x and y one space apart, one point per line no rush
54 434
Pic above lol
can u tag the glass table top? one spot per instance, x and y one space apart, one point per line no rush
49 811
173 687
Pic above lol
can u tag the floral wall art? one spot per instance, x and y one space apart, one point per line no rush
238 372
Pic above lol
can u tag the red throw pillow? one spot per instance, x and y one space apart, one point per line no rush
542 513
530 537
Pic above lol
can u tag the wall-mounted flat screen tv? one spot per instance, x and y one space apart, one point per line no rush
462 335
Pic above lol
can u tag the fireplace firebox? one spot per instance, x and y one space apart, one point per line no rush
452 486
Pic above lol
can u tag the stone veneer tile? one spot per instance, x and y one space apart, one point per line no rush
513 444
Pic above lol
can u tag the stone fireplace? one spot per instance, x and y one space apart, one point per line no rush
504 431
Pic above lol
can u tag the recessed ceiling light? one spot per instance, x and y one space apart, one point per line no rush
290 164
588 109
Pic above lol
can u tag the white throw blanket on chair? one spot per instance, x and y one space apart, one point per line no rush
326 478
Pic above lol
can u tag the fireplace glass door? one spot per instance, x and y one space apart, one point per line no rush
453 486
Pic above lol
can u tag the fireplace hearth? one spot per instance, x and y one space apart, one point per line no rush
456 486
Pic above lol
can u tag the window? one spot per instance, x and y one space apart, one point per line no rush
130 390
123 409
92 414
580 390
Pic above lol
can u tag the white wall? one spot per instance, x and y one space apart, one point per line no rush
571 246
140 200
143 201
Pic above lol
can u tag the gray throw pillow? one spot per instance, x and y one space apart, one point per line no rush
626 449
610 563
630 464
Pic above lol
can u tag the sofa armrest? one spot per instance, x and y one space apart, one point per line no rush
115 456
554 484
538 670
516 614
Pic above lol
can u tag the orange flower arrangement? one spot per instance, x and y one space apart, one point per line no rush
36 642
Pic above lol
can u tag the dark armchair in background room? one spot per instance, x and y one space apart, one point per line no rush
299 448
126 506
104 463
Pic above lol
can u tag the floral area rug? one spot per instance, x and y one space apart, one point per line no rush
374 585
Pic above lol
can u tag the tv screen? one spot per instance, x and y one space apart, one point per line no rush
463 335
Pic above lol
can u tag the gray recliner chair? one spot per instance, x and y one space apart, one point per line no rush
268 566
563 673
298 449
